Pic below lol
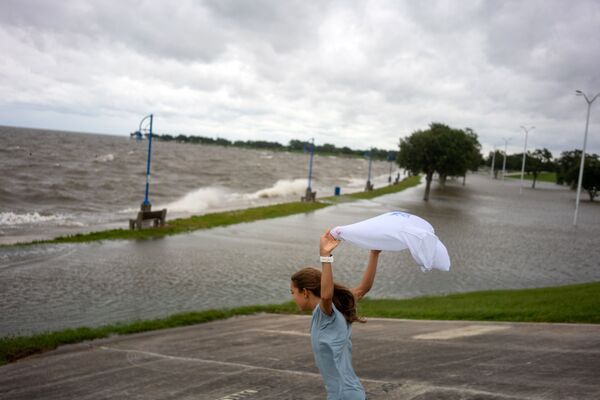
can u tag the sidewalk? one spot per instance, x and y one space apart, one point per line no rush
269 357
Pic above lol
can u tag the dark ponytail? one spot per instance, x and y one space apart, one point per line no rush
343 299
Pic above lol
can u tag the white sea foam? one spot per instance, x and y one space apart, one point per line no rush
353 183
70 223
105 158
282 188
10 218
212 197
200 200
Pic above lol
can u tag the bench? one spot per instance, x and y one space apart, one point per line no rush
157 219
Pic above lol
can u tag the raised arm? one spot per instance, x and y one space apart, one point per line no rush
368 277
327 244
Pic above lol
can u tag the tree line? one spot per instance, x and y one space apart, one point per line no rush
566 167
441 150
294 145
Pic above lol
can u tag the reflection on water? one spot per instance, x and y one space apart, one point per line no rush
496 239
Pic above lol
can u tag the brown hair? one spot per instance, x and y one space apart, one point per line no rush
343 299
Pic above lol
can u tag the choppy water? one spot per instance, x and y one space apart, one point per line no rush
496 239
54 183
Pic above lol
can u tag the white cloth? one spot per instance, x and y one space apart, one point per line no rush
397 231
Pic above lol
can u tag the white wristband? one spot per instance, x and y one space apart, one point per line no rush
326 259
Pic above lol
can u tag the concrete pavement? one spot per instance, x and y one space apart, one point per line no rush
268 356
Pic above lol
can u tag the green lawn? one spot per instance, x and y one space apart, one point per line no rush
574 303
571 304
542 176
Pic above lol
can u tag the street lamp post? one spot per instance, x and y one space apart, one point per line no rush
504 160
146 206
310 162
391 160
587 123
524 155
493 163
310 195
369 185
145 214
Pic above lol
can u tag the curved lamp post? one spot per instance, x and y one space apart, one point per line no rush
587 123
524 152
310 195
493 162
146 204
369 185
504 160
391 159
310 162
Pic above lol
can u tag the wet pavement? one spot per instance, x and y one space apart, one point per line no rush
268 356
496 239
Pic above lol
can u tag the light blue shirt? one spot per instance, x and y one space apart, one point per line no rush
330 337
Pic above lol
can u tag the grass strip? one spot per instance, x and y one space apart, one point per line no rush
13 348
570 304
206 221
542 176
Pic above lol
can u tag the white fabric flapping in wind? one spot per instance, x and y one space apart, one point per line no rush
397 231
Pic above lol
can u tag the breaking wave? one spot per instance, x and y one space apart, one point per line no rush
282 188
212 197
10 218
105 158
200 200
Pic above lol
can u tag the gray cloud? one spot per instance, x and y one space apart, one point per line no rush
348 72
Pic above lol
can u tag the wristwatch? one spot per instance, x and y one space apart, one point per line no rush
326 259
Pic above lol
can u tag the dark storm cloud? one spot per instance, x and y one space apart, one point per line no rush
347 70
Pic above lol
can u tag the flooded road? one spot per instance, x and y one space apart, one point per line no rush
496 239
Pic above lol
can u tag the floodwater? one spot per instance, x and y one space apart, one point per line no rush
496 239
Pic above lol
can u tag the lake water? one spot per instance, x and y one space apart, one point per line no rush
55 183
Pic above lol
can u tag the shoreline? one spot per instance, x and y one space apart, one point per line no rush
558 304
212 220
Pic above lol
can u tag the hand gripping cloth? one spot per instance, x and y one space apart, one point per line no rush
397 231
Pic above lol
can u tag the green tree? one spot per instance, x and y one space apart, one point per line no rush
297 145
538 161
328 148
568 161
591 174
417 154
495 162
474 157
222 142
346 150
441 149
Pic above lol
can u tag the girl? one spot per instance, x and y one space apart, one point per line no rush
333 312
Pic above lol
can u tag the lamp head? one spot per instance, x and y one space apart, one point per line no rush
578 93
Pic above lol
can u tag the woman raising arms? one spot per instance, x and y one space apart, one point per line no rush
333 309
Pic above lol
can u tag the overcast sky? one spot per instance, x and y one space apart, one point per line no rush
355 73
